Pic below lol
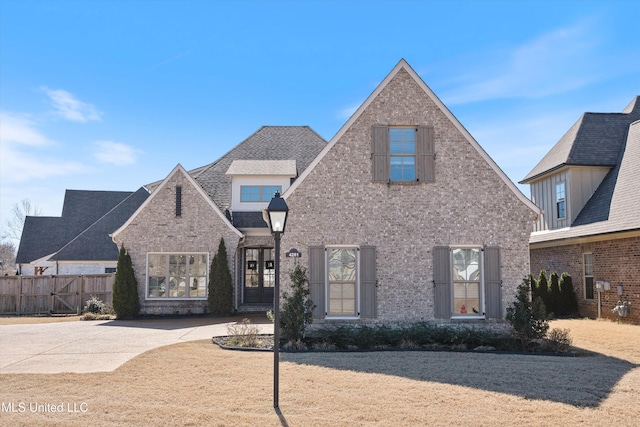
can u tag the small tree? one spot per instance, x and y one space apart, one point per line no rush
220 299
528 319
125 287
568 294
297 308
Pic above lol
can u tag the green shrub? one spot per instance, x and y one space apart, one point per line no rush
528 319
542 288
569 300
94 305
125 287
220 297
554 301
297 308
559 340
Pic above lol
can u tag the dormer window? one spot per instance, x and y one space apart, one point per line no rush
258 193
561 206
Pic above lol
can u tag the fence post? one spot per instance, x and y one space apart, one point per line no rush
19 296
79 294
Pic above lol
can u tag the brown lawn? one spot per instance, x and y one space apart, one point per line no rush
197 384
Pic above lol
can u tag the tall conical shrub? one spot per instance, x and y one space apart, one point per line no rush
569 300
220 298
543 287
125 287
554 304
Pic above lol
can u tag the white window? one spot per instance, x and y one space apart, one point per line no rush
467 285
258 193
342 281
588 276
561 206
402 154
177 275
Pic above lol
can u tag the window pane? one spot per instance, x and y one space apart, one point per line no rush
197 265
269 274
157 265
466 298
250 193
156 287
177 265
197 287
342 265
402 168
177 287
588 264
251 268
588 287
466 264
342 299
269 191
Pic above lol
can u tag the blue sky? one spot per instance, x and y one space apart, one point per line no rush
111 95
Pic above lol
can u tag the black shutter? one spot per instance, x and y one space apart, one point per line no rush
380 153
442 282
317 280
368 297
425 154
492 282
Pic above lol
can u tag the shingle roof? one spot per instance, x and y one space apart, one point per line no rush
41 236
614 206
248 220
594 140
82 210
94 243
299 143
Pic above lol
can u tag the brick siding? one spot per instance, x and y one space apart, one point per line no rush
616 261
338 203
157 229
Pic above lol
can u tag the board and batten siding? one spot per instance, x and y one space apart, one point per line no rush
580 184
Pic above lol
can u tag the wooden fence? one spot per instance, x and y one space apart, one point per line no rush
52 294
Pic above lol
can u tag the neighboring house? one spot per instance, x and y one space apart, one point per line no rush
77 242
402 216
587 186
174 235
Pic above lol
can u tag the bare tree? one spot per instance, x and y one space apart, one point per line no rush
7 258
19 212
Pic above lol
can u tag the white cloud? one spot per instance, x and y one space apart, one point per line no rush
115 153
555 62
70 108
16 129
24 155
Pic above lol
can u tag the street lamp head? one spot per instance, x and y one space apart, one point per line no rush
277 211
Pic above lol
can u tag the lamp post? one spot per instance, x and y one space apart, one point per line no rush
277 215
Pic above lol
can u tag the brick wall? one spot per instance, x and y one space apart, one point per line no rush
337 203
616 261
157 229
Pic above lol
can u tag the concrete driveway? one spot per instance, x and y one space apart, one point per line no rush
100 346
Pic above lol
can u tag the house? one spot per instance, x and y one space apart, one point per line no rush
174 235
587 187
77 242
402 216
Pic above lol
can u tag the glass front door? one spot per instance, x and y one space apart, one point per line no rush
259 275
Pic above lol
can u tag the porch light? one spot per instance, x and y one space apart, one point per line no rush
277 215
277 211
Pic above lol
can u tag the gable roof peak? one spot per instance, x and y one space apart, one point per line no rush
633 107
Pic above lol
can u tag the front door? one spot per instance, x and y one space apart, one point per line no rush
259 275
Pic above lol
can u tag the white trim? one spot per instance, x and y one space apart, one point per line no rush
326 283
191 181
403 65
